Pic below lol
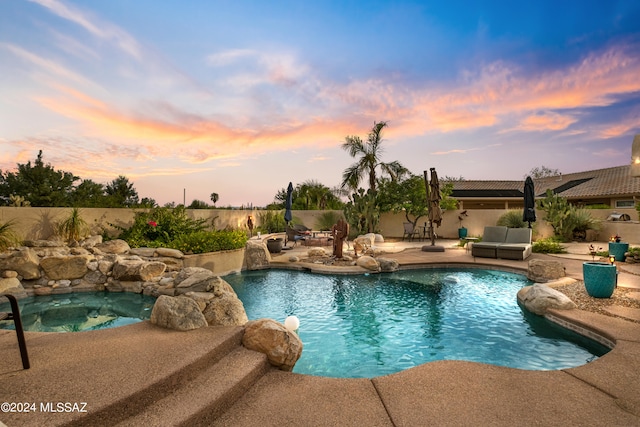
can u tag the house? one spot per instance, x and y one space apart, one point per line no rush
614 186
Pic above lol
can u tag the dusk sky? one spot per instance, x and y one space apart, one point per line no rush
241 97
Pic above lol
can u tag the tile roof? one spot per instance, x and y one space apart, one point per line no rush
608 182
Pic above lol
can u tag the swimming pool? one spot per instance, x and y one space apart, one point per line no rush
81 311
362 326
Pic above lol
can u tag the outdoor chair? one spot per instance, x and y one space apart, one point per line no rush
410 231
295 234
17 321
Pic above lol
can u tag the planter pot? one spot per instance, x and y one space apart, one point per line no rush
462 233
600 278
618 250
275 245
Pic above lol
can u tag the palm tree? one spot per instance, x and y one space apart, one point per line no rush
369 154
214 198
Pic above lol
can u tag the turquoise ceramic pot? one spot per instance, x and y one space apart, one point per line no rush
618 250
462 233
600 279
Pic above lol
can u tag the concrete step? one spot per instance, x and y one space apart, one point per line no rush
138 399
205 397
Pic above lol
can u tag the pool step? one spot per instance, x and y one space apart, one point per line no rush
209 394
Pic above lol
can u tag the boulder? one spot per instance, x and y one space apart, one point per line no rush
388 264
91 241
11 285
256 255
369 263
169 253
143 252
225 310
201 298
179 313
282 346
65 267
24 261
315 252
378 238
116 246
539 298
542 271
196 279
134 270
173 264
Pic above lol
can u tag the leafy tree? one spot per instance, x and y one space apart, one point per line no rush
408 196
310 195
198 204
148 202
369 159
38 183
214 198
542 172
122 193
89 194
362 212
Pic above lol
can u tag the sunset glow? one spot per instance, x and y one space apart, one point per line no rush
241 98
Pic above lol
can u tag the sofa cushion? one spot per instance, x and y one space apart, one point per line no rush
518 235
494 234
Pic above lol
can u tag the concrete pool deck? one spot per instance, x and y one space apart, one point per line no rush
144 375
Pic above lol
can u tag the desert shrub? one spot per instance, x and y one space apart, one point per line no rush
548 245
512 219
327 220
74 227
271 221
8 237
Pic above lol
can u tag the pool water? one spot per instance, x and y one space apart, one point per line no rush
362 326
81 311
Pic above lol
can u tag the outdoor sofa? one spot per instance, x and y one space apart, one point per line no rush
503 242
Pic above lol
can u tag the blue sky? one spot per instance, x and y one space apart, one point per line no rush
241 97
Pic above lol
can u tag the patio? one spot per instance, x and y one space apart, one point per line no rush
142 374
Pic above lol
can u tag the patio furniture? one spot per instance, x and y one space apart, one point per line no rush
410 231
503 242
17 321
296 233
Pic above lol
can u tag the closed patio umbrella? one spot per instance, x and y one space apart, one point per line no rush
529 214
288 203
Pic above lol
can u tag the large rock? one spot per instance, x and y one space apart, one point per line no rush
256 255
169 253
542 271
225 310
196 279
369 263
65 267
91 241
282 346
539 298
11 285
136 270
179 313
362 244
388 264
116 246
25 261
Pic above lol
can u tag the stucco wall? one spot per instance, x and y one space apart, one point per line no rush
39 223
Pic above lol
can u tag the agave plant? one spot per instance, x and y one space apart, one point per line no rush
7 236
73 227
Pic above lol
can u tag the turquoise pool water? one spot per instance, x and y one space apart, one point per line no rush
372 325
81 311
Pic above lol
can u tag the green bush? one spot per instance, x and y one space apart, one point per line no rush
548 246
209 241
327 220
512 219
160 226
271 221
